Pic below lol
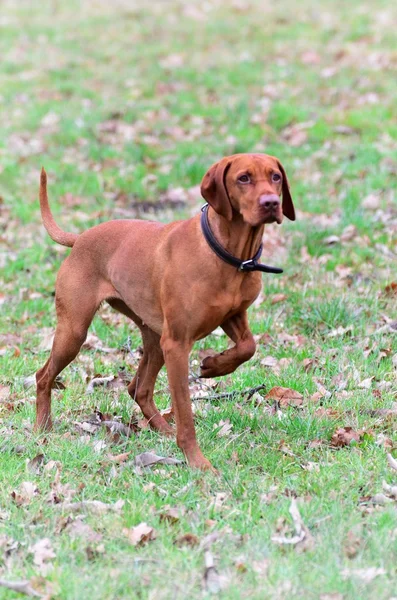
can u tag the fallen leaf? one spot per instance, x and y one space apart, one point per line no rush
148 459
331 240
118 459
366 384
371 202
285 396
340 331
224 428
4 392
79 529
351 545
269 361
34 465
276 298
43 553
344 436
187 539
172 514
139 535
27 491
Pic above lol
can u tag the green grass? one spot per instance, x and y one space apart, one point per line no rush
123 103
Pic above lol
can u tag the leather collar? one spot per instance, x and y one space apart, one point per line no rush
242 265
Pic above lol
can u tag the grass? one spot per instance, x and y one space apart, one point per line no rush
124 103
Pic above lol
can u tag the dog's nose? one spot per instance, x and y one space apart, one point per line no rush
269 201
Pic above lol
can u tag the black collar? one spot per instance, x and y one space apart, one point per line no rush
242 265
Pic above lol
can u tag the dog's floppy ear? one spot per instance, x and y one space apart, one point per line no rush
214 191
288 205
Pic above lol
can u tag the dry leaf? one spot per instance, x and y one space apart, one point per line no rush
79 529
4 392
285 396
351 544
27 491
340 331
269 361
141 534
42 553
366 384
187 539
118 459
172 514
225 428
34 465
344 436
148 459
276 298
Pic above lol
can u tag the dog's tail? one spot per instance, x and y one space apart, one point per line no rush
56 233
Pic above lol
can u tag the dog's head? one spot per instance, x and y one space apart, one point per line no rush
252 185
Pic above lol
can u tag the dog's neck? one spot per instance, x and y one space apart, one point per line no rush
236 236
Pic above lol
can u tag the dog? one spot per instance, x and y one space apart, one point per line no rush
178 282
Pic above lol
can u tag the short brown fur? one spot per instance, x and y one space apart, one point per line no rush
171 284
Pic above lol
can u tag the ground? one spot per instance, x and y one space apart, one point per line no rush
126 104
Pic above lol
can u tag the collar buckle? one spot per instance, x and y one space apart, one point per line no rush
247 265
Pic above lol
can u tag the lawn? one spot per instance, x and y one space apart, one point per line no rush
127 104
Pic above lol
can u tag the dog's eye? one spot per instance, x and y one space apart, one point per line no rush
276 177
244 179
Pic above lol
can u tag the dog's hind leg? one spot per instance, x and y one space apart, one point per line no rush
75 310
142 386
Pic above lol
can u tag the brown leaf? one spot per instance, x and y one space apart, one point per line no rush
344 436
276 298
285 396
172 514
322 413
351 544
309 364
27 491
79 529
4 392
118 459
187 539
139 535
35 464
391 289
42 554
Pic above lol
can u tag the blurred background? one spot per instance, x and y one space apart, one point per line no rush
127 104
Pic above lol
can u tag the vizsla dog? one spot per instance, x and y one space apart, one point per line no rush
177 282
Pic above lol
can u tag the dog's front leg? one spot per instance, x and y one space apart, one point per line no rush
226 362
176 355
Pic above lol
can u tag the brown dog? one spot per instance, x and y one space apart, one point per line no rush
172 284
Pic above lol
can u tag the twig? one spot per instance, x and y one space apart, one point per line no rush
228 395
392 462
23 587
